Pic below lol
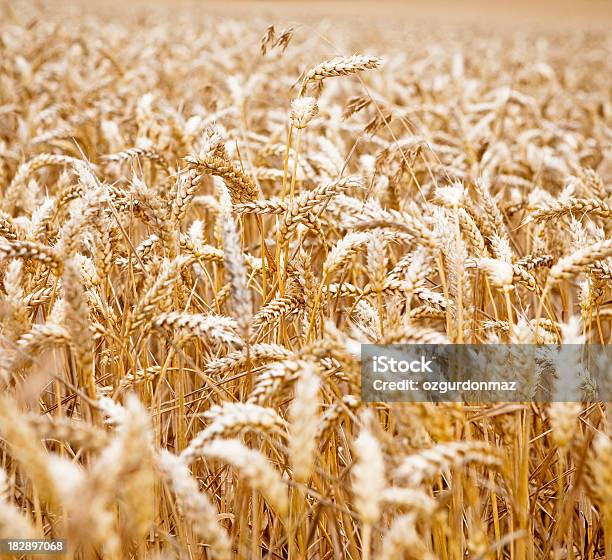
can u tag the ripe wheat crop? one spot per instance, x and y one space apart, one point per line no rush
201 221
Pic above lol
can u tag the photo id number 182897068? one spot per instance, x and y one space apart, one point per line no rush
32 546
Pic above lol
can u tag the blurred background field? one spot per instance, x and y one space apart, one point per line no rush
549 13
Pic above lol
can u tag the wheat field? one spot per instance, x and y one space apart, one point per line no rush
202 219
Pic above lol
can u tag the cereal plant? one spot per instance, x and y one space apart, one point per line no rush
204 218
